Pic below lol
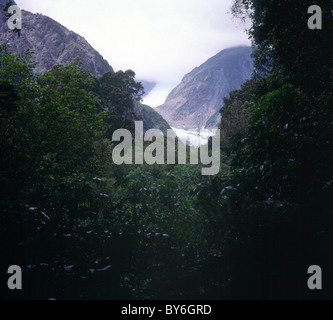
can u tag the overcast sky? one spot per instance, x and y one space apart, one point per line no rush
161 40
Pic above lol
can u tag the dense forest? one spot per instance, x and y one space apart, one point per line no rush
82 227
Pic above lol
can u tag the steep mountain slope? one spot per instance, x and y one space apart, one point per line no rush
195 102
53 43
151 119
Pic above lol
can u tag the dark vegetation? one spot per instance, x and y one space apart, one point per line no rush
84 228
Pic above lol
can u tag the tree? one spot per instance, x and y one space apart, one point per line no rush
280 32
298 92
51 126
276 208
235 114
118 92
71 114
18 93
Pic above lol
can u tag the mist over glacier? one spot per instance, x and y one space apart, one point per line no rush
158 94
192 137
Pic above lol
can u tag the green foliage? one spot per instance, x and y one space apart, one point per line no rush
50 124
273 215
236 114
279 30
135 229
166 232
17 110
151 119
73 116
118 92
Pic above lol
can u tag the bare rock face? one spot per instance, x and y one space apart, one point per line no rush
3 4
195 102
51 43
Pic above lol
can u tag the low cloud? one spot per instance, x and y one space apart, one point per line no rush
161 40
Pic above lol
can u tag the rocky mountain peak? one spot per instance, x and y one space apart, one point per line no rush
196 101
3 3
51 43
